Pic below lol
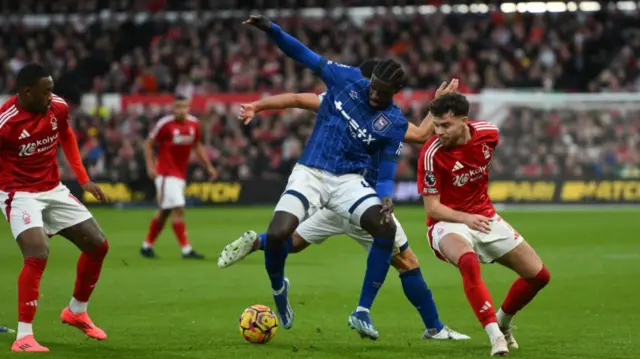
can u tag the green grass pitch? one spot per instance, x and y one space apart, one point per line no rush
171 308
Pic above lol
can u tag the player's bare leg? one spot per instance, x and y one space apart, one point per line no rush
180 231
458 252
533 277
250 242
155 228
90 239
34 245
416 290
378 262
282 225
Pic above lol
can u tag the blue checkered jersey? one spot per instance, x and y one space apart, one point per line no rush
371 172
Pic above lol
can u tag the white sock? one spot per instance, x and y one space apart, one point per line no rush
187 249
146 245
504 319
362 309
493 331
24 329
77 307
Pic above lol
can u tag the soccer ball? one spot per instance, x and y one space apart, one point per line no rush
258 324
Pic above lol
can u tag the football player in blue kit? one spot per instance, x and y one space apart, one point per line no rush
356 121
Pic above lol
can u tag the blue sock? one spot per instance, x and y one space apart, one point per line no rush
419 294
274 259
262 237
378 263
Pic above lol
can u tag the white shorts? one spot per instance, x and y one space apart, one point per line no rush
310 189
170 192
326 223
489 246
53 210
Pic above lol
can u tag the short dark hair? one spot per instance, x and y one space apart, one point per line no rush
30 74
366 68
391 72
453 102
180 97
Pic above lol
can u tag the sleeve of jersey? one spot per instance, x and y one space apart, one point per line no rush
427 180
389 160
69 145
329 71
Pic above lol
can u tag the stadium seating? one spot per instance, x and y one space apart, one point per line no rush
559 52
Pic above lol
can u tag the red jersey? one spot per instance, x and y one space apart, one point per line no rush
29 145
460 175
175 140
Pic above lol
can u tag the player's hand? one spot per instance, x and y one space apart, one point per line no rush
95 191
213 174
445 88
258 21
387 210
152 173
478 223
247 112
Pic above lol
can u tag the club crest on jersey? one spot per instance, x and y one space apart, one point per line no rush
54 123
486 150
26 218
381 123
353 95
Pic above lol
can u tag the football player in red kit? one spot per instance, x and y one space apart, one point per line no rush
176 135
37 205
464 229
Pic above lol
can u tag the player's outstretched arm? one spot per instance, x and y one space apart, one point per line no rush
440 212
291 46
305 101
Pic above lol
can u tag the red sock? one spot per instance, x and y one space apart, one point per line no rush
180 231
155 228
29 288
88 272
477 293
523 290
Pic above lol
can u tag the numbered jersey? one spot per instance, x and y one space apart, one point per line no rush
29 146
175 139
460 175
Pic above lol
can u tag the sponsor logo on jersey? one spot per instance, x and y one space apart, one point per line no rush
180 139
470 176
354 129
38 146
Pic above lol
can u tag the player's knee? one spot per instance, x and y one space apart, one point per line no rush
299 244
177 214
405 261
543 277
373 222
281 227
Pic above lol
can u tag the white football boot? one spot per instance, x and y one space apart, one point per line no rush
508 335
238 249
499 347
445 334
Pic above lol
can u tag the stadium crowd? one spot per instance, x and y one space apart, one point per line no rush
555 52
